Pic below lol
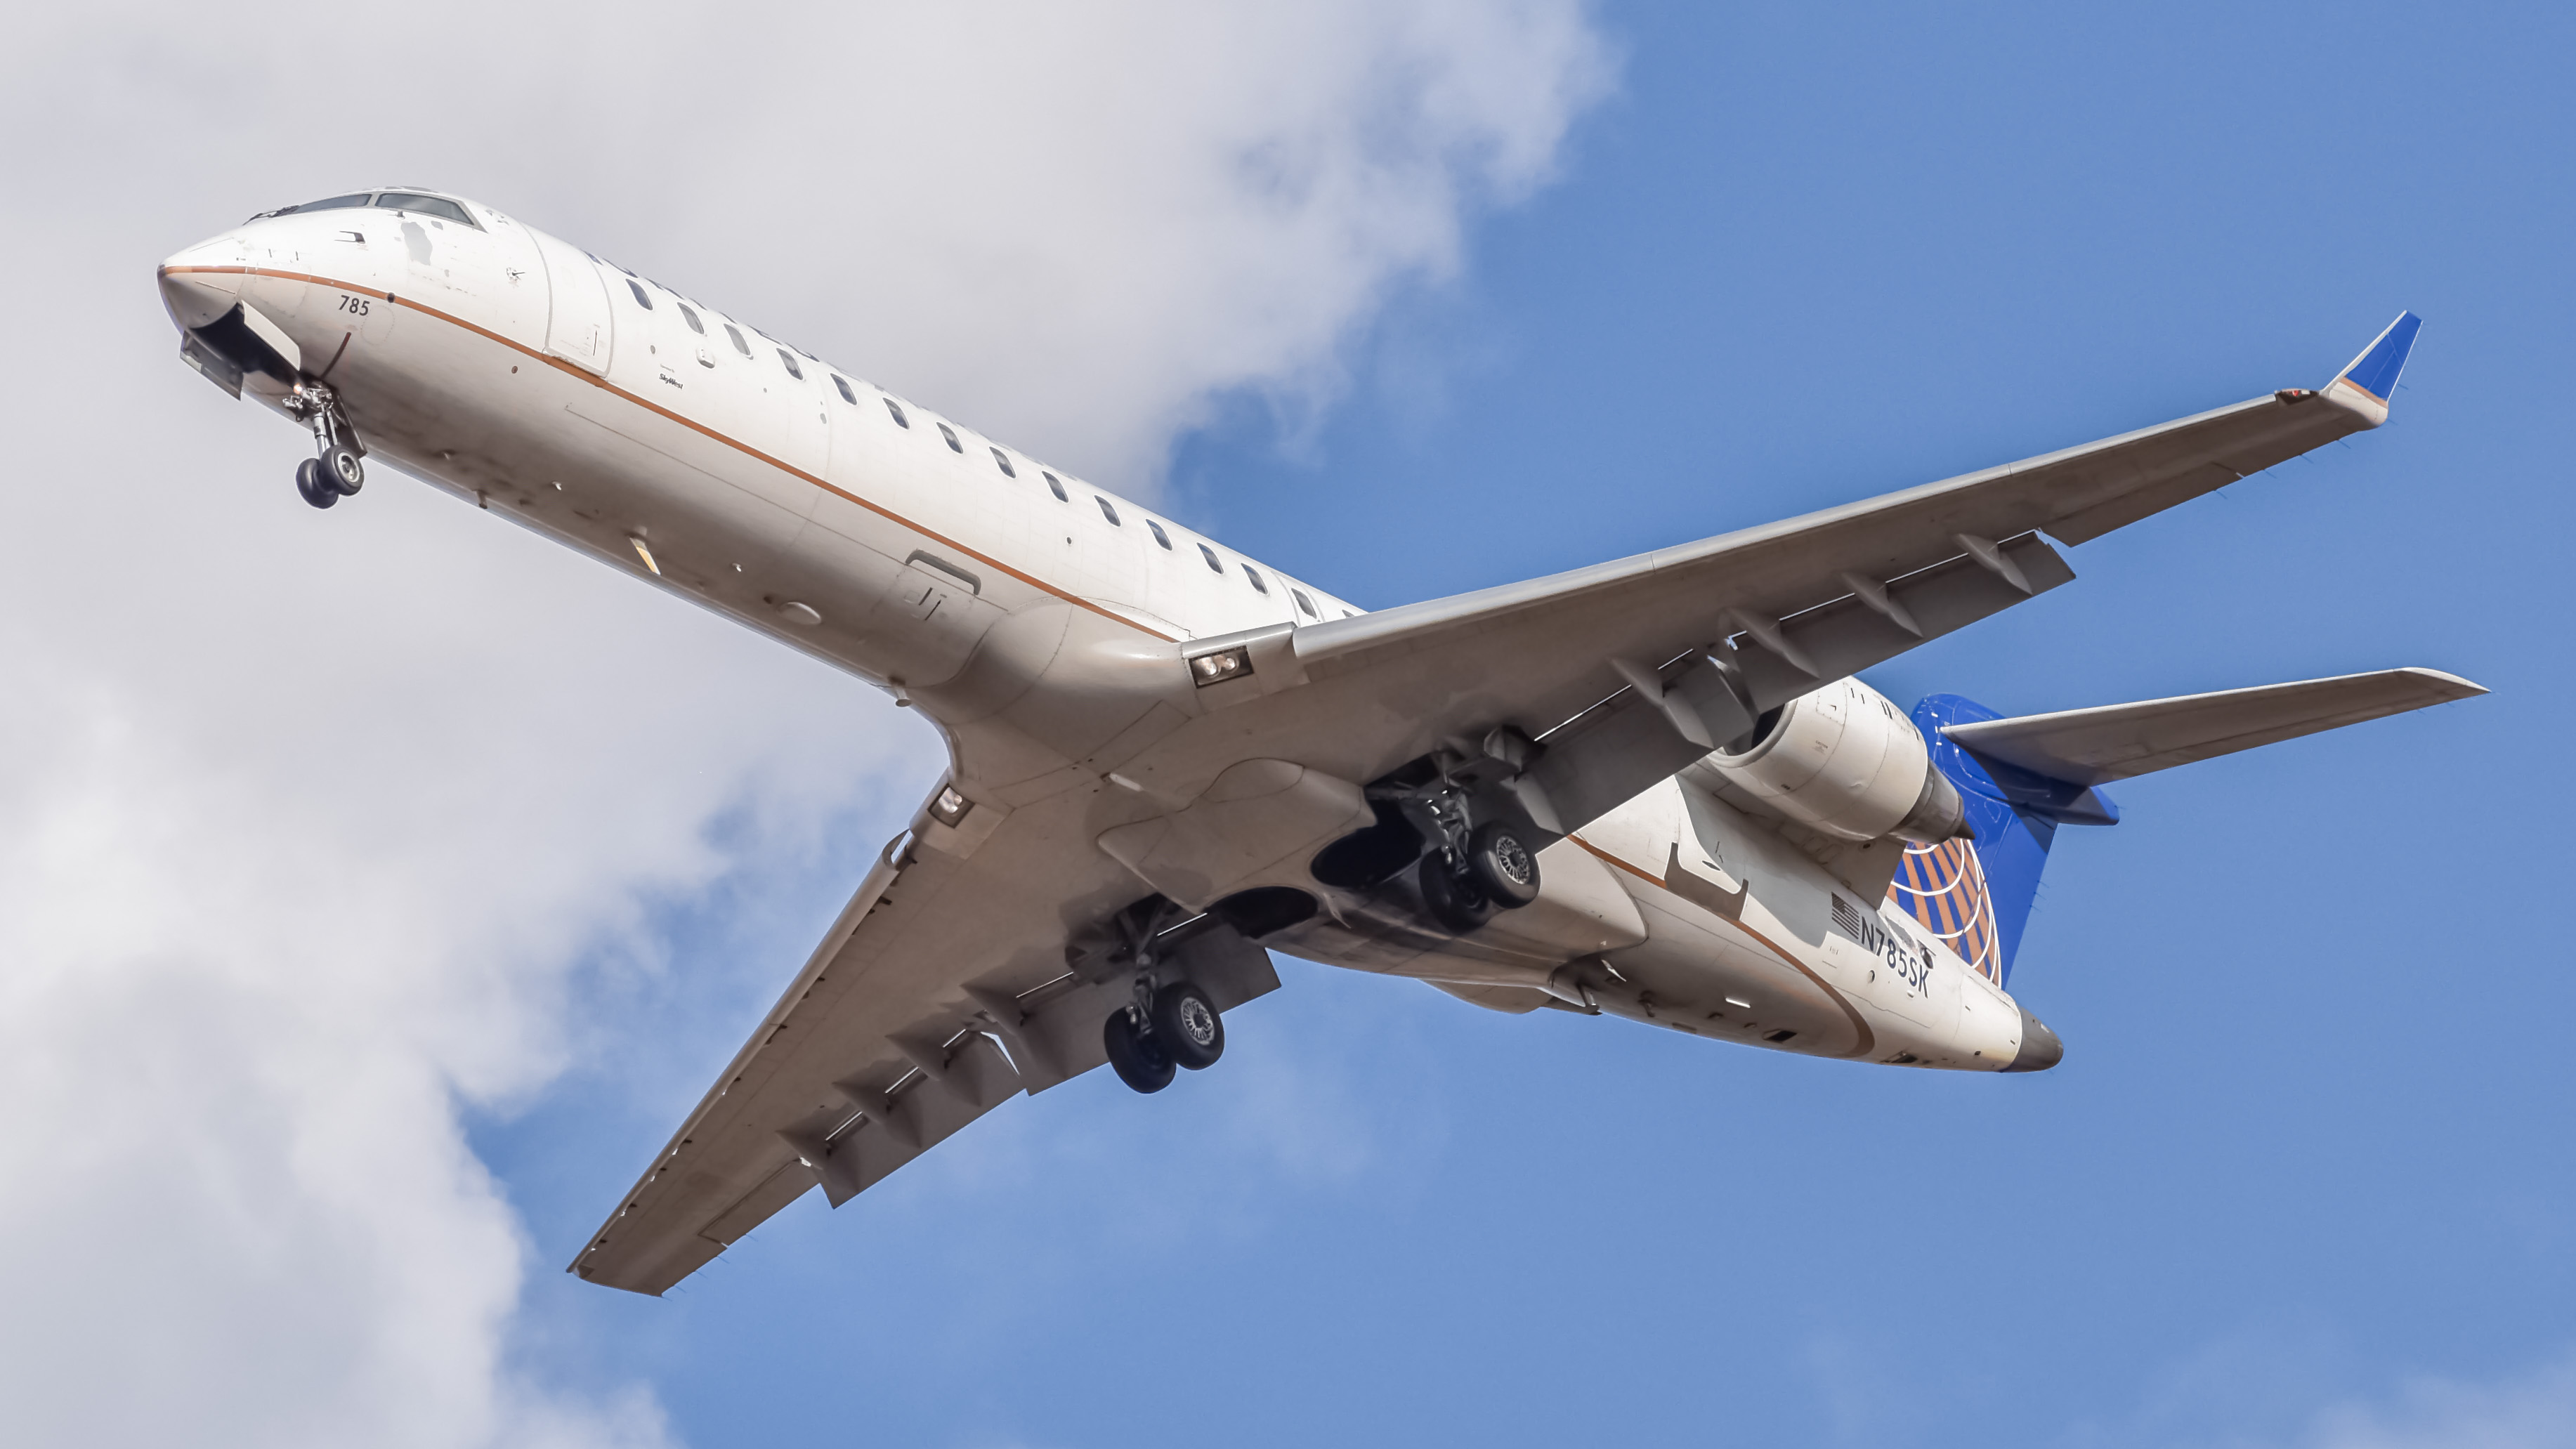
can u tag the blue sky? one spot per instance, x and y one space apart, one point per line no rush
2307 1143
378 888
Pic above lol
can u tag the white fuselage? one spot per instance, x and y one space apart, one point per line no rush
676 443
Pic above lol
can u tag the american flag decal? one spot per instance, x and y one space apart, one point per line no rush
1944 887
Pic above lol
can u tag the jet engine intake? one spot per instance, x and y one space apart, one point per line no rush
1846 761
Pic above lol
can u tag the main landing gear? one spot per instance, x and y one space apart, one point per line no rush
1176 965
1163 1029
1471 872
340 470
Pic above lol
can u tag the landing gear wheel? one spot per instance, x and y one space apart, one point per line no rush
1503 865
342 469
1187 1027
310 483
1456 901
1138 1059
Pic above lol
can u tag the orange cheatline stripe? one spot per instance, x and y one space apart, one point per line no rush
604 385
1866 1040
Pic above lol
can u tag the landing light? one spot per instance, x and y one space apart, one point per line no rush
1217 668
950 807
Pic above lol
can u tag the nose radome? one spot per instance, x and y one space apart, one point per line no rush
2040 1048
200 284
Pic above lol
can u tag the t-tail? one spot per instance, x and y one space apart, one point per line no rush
2024 777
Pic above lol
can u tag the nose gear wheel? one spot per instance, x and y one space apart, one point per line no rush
340 470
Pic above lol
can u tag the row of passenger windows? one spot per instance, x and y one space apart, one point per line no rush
644 299
948 435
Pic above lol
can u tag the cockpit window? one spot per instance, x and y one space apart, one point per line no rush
336 203
438 206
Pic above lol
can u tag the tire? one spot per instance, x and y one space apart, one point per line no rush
1137 1060
1460 904
1186 1026
1505 866
342 469
308 481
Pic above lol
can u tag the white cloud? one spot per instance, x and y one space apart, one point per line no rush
308 821
2535 1410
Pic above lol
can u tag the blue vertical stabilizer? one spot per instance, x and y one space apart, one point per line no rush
1977 894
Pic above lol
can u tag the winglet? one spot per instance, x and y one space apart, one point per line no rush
2371 379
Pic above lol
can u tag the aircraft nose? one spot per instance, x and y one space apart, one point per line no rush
2040 1048
198 287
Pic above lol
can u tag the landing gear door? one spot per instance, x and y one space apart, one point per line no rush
578 328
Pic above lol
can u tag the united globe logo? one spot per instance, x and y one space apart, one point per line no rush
1944 887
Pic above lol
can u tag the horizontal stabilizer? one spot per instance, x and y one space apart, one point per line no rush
2116 741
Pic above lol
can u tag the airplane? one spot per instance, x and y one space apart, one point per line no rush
1651 789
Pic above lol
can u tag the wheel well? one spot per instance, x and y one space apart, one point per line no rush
1369 857
1264 909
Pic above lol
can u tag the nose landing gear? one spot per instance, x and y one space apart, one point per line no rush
340 470
308 481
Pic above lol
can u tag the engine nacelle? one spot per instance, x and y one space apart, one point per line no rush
1847 762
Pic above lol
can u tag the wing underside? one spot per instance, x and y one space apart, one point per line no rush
944 989
1627 671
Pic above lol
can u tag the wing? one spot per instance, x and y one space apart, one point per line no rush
1627 671
2117 741
945 988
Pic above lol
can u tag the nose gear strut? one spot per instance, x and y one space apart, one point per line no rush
339 471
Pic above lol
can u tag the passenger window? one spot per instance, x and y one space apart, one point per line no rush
689 314
1055 486
1105 510
793 370
900 420
1209 554
1160 536
950 434
1258 582
641 300
843 384
438 206
738 344
1003 462
1303 603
